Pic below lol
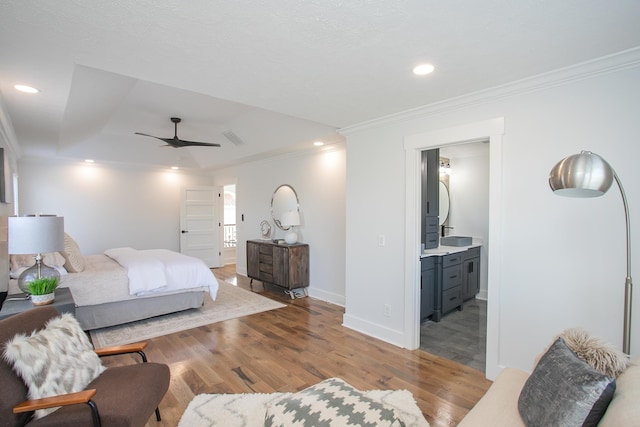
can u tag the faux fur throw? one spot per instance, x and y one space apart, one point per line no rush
56 360
604 358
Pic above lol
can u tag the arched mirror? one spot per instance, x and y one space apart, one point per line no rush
284 199
443 214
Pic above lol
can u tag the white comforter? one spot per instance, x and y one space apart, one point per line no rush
160 270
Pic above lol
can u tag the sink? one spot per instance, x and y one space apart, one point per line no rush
455 241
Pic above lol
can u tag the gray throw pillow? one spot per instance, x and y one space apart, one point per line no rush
564 391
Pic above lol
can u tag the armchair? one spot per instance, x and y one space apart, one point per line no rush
119 396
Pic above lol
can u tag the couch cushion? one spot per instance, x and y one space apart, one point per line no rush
331 402
499 405
564 390
56 360
624 409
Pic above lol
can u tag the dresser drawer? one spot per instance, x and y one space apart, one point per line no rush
431 240
451 259
451 298
472 253
451 276
431 224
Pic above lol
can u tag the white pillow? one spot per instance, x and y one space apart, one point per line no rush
56 360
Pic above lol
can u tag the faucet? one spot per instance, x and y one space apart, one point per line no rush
442 228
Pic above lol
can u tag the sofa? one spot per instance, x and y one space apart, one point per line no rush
511 400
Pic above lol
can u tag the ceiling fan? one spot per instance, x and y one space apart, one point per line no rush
176 142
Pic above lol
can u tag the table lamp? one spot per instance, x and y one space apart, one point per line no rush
35 235
290 219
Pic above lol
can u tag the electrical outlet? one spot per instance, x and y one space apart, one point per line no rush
381 240
387 310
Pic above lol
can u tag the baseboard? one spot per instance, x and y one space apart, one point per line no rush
374 330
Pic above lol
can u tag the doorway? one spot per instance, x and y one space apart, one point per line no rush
493 130
230 240
460 335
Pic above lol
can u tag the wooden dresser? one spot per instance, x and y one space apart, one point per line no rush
280 264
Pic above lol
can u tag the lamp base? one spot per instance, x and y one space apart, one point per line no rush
291 237
36 271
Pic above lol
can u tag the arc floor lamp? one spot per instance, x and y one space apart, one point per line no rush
589 175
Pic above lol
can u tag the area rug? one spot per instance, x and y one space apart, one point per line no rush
231 302
248 410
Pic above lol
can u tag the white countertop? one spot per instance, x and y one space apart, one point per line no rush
445 250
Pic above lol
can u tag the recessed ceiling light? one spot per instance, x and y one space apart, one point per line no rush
175 168
318 143
26 89
423 69
89 161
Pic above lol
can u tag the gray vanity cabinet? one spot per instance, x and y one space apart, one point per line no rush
430 197
449 281
471 273
427 287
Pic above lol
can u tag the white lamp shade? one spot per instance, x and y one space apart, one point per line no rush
290 218
35 234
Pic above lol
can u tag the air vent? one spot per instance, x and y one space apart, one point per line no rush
235 139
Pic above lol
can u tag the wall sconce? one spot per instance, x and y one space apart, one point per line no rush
290 219
589 175
445 168
30 235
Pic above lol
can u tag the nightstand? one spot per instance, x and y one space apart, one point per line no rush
63 303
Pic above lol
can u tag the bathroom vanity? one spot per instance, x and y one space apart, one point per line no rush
449 276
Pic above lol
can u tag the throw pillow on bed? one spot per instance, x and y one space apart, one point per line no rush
55 360
74 261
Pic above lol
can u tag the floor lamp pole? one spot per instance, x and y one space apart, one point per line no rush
628 285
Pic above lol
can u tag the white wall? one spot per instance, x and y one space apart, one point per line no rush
319 180
469 200
561 261
107 206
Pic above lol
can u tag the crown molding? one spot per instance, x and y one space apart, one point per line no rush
600 66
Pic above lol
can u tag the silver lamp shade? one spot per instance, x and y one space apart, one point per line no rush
35 235
581 175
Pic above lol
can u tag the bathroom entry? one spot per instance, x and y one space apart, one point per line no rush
464 170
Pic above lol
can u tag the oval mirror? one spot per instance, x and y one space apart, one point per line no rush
284 199
443 214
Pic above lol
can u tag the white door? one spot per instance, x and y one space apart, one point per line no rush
201 224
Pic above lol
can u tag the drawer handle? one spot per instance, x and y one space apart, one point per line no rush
453 277
452 298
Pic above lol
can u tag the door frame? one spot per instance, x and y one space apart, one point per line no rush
493 130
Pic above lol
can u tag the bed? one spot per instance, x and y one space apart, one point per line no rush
124 284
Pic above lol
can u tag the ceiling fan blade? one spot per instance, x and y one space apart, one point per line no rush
183 143
156 137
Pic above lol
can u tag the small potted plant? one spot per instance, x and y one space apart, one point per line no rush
42 290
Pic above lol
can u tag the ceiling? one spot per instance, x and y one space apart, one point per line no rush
277 75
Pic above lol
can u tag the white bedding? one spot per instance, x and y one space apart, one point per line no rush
155 270
104 280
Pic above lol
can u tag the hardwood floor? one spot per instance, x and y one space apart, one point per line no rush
291 348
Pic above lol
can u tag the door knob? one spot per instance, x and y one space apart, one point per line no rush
184 231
